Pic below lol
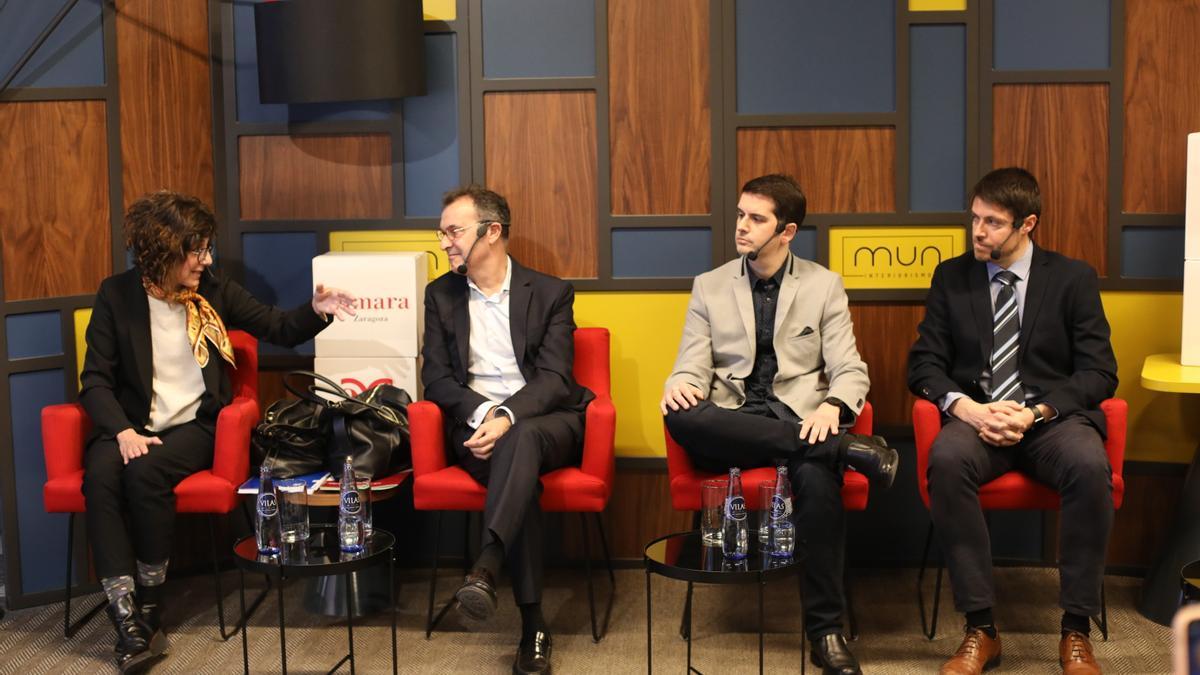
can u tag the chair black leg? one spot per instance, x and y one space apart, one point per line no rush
226 634
597 633
1102 624
432 621
685 622
929 628
69 629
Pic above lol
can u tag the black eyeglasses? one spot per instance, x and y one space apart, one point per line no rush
200 253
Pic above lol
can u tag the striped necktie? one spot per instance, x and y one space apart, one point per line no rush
1006 333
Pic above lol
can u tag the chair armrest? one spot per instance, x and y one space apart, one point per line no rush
927 423
428 437
599 433
864 424
65 429
1116 413
231 454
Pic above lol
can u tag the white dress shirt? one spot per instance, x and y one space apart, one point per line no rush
492 368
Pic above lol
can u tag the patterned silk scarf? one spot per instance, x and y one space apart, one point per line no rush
202 322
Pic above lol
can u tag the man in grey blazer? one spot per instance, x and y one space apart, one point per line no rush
768 373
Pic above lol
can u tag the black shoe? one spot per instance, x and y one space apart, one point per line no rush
533 656
871 456
150 609
833 657
477 596
133 653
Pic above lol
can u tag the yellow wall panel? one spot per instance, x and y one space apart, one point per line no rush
82 317
439 10
937 5
394 240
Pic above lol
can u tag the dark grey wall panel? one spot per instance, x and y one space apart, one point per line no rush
279 272
251 109
804 244
816 56
1152 252
539 38
661 252
73 55
431 131
1051 34
938 101
32 335
42 535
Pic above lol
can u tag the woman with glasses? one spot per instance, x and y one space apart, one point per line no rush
153 383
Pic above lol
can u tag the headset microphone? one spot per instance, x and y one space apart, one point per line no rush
479 232
995 252
753 255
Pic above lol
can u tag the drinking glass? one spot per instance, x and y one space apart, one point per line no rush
293 509
712 509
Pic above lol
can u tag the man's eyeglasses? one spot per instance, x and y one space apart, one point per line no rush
454 231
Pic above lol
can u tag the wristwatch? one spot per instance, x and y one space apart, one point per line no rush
835 402
1038 417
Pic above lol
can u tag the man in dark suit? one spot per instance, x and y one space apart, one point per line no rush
499 347
1014 349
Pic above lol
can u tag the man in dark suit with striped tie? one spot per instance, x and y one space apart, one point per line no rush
1014 348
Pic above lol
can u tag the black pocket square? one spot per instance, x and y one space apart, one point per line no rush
807 331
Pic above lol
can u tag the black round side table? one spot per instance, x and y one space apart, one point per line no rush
319 556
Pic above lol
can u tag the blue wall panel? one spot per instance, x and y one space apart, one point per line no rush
539 38
816 56
250 109
661 252
938 79
279 272
43 535
73 55
31 335
1152 252
804 244
1051 34
431 131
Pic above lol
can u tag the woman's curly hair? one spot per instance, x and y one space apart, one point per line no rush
162 227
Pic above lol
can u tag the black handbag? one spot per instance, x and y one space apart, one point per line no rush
315 433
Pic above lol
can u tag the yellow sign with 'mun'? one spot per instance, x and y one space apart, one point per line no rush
892 257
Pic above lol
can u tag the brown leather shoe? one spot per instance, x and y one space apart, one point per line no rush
977 653
1075 655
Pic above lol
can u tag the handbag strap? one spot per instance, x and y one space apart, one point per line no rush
320 384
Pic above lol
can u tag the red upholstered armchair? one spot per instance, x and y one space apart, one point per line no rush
65 430
439 486
1011 491
685 492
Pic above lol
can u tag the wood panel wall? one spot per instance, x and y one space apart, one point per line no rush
1060 133
661 137
165 97
311 177
1162 102
54 229
540 153
840 169
885 332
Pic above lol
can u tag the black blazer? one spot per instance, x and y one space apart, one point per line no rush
542 322
118 367
1064 350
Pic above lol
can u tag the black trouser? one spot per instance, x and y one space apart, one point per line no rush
512 514
717 439
131 507
1068 455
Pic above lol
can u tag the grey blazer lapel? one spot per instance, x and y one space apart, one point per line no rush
787 293
745 306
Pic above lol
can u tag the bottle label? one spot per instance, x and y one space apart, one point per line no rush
268 506
350 503
781 507
735 508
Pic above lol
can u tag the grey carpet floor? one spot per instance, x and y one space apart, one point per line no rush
726 638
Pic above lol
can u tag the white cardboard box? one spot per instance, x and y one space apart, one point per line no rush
1191 219
358 374
1190 355
390 287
